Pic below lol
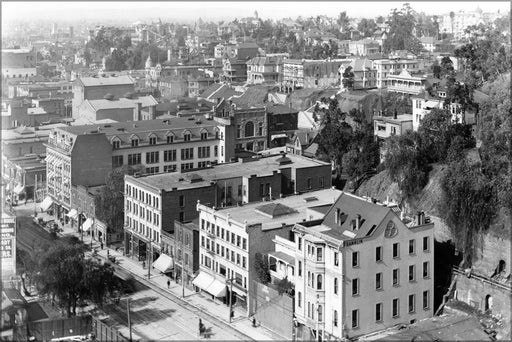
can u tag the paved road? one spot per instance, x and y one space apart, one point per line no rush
155 314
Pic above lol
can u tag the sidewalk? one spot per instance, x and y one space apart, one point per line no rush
194 299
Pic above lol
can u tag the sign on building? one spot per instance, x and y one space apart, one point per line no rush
8 246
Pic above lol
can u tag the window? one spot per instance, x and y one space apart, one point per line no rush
310 183
426 300
426 244
244 262
152 170
187 136
300 268
187 153
320 313
187 166
355 287
260 128
299 299
378 281
152 157
170 139
355 318
378 312
215 151
181 216
116 144
117 161
182 201
204 135
135 142
232 256
396 307
335 286
396 251
169 155
426 270
336 259
321 182
396 277
355 259
412 303
249 129
319 254
203 152
378 254
169 168
319 282
134 159
244 243
412 273
309 309
299 243
238 131
335 318
412 246
152 141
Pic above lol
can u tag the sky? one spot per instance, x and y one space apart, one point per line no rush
187 11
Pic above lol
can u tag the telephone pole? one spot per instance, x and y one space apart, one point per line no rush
128 315
230 297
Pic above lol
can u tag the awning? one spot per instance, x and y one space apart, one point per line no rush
46 203
277 136
19 189
203 281
164 263
238 291
87 225
72 214
217 289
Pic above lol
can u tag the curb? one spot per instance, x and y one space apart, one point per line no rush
184 304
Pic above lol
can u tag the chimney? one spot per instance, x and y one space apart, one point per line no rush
139 111
418 218
358 222
395 115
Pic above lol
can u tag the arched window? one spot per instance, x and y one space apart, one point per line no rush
319 282
249 129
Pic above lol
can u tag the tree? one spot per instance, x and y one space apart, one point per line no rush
406 163
343 21
367 27
447 66
262 268
468 206
285 286
400 36
436 69
68 277
348 78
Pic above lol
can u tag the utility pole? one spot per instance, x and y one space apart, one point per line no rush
35 197
149 258
230 297
317 320
128 315
182 270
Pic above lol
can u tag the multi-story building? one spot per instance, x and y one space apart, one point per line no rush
251 125
230 239
95 88
84 155
23 177
234 70
311 73
406 83
264 70
363 47
365 77
421 106
364 267
18 63
42 89
387 67
387 126
198 84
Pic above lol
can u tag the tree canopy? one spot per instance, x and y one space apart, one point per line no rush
400 36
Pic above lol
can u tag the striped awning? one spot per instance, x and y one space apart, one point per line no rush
87 225
164 263
47 203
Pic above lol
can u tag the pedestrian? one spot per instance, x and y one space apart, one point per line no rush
168 283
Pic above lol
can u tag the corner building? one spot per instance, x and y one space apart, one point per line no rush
363 268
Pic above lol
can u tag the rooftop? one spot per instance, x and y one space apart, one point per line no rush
251 213
123 102
106 81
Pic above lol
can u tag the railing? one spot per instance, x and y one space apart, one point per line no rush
486 280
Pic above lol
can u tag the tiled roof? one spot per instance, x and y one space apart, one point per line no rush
255 96
101 104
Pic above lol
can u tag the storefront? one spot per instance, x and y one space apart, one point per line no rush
207 283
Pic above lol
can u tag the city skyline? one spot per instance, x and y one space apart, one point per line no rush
221 10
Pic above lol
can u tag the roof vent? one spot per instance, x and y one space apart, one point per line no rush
108 96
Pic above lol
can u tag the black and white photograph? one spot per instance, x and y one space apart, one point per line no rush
256 171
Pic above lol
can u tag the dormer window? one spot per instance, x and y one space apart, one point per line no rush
116 144
170 139
135 141
152 140
187 136
204 135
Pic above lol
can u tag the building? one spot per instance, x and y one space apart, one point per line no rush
363 47
251 126
385 126
365 77
24 177
21 141
85 155
126 108
18 63
264 70
310 73
282 122
421 106
198 84
230 239
364 267
234 70
387 67
429 43
406 83
95 88
51 105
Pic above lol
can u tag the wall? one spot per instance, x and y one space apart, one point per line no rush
314 172
91 160
98 92
272 310
253 186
